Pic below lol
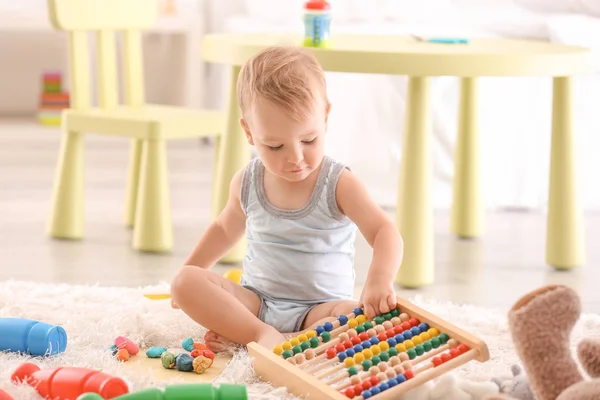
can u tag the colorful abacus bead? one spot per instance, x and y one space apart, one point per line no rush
348 343
364 347
295 350
374 360
343 320
400 378
362 358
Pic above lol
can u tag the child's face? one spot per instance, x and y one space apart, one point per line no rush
289 149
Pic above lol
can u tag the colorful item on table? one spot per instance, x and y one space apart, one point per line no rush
53 100
31 337
442 40
317 23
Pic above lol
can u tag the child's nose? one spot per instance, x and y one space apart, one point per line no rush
295 156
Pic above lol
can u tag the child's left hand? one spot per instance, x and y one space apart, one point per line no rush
377 298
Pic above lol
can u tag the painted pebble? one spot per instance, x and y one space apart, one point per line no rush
155 351
201 364
183 362
123 355
200 346
168 360
188 344
122 342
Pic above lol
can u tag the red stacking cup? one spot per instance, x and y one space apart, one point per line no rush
68 383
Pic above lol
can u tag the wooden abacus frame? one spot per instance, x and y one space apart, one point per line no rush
274 369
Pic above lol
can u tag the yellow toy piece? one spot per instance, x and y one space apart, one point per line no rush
157 296
234 275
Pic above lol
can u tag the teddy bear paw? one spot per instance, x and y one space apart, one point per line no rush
584 390
588 352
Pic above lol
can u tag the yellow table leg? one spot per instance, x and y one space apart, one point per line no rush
564 237
216 155
467 209
67 214
153 230
133 179
415 215
234 154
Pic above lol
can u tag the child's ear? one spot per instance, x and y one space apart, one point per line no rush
247 131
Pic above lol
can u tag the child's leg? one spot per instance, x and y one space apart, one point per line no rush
222 306
324 312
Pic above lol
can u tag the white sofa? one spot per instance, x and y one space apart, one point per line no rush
515 150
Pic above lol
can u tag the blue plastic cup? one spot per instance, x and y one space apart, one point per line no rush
19 335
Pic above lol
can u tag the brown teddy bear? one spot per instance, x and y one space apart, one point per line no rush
541 323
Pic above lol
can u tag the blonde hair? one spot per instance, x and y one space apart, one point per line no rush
289 77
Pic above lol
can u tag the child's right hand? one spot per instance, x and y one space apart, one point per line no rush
173 304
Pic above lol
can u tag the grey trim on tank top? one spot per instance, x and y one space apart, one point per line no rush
245 188
328 176
259 187
336 171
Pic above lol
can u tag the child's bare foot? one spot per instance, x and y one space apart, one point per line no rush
217 343
270 338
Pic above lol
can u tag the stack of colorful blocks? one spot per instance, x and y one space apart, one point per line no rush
52 99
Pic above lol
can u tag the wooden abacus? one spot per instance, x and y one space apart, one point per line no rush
360 359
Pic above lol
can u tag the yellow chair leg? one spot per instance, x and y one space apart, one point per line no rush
564 237
234 154
153 226
467 210
133 179
67 213
415 215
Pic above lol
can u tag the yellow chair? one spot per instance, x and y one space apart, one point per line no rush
148 126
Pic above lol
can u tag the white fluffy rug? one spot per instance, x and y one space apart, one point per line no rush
93 316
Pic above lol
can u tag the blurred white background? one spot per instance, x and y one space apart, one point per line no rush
367 121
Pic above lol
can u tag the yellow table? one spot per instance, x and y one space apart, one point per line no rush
404 55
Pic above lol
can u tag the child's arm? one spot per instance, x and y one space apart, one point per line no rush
224 232
378 295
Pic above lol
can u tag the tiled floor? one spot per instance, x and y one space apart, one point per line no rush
492 271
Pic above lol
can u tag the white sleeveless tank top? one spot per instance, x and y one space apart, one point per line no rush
304 255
